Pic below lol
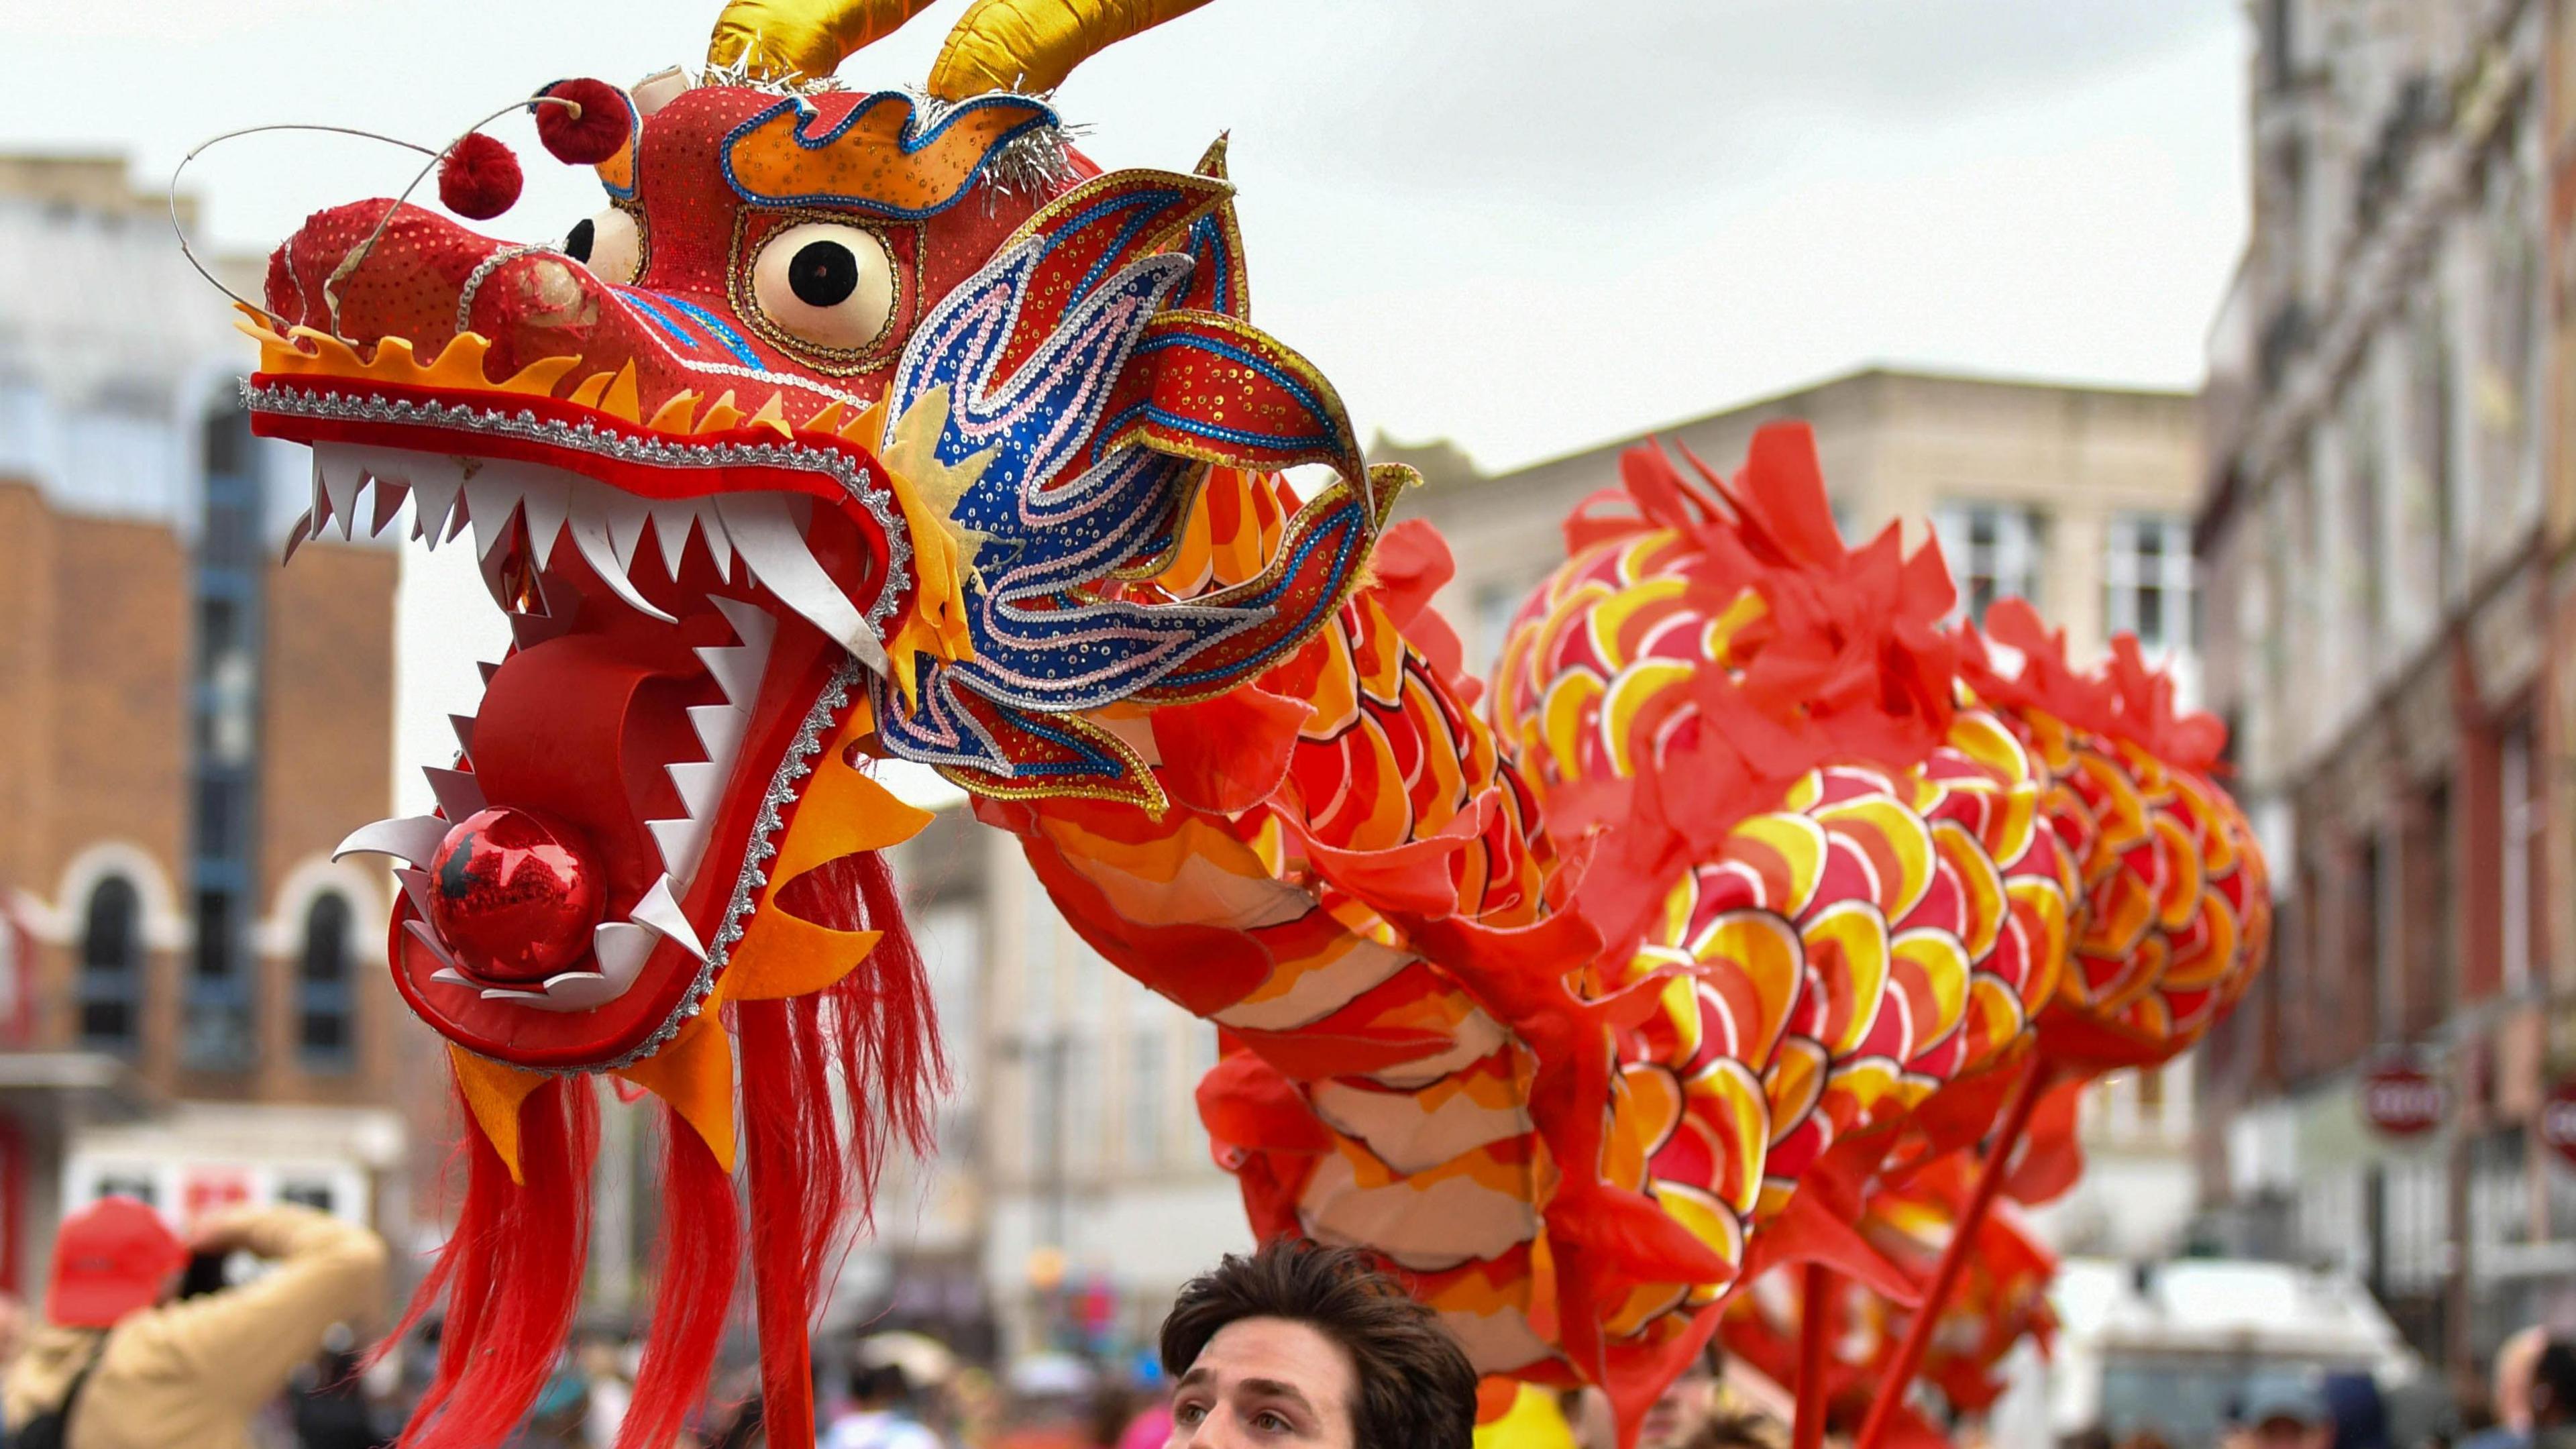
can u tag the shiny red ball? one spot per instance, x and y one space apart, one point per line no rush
478 178
515 894
598 131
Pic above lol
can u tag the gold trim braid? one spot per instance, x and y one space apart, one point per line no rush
785 39
1030 46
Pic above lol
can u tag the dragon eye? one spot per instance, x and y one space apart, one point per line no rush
609 244
832 286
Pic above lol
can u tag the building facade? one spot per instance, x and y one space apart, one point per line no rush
2389 499
193 1005
2078 499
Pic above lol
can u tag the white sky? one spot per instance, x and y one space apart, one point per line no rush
1526 226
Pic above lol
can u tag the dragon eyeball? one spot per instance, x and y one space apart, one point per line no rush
609 244
827 284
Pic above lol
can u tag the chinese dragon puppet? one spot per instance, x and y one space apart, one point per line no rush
1760 906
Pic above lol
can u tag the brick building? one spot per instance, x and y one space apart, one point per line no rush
2385 549
195 1009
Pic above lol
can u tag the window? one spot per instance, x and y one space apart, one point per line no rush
2518 858
1993 549
325 1031
306 1192
1082 1104
2147 577
1145 1100
111 977
218 1032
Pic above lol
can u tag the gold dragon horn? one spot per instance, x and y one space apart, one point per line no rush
1029 46
783 39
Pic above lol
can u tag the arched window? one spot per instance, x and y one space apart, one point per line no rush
111 966
326 1029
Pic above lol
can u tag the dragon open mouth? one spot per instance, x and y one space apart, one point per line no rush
693 596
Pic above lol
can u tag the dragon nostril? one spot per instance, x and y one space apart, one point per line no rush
578 242
824 274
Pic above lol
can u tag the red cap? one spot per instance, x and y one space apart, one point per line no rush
110 1259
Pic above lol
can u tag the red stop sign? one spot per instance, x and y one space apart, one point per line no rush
2558 1120
2401 1099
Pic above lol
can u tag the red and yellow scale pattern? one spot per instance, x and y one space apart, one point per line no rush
1835 960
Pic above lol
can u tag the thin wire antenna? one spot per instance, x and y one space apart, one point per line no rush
357 255
210 143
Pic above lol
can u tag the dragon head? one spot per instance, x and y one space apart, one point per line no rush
856 426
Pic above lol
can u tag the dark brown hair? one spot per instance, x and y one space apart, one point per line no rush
1415 1389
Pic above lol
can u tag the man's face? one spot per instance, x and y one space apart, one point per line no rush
1683 1408
1266 1381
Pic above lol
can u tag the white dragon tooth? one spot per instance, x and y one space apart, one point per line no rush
412 838
590 537
390 493
681 841
622 513
719 545
660 909
415 886
459 793
342 472
421 932
491 501
764 532
295 538
545 503
751 623
622 949
736 668
720 728
463 724
673 518
699 782
319 507
433 494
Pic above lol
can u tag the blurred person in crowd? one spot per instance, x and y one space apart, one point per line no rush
2515 1358
2092 1436
1310 1345
328 1399
558 1419
2145 1439
1687 1403
880 1415
601 1360
745 1430
2355 1409
1113 1406
122 1362
2552 1391
2283 1414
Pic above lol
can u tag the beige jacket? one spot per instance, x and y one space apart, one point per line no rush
188 1375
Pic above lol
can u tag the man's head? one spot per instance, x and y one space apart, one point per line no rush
1307 1346
111 1258
2553 1385
2515 1358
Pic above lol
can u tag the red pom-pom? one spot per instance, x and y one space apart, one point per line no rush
598 132
478 178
